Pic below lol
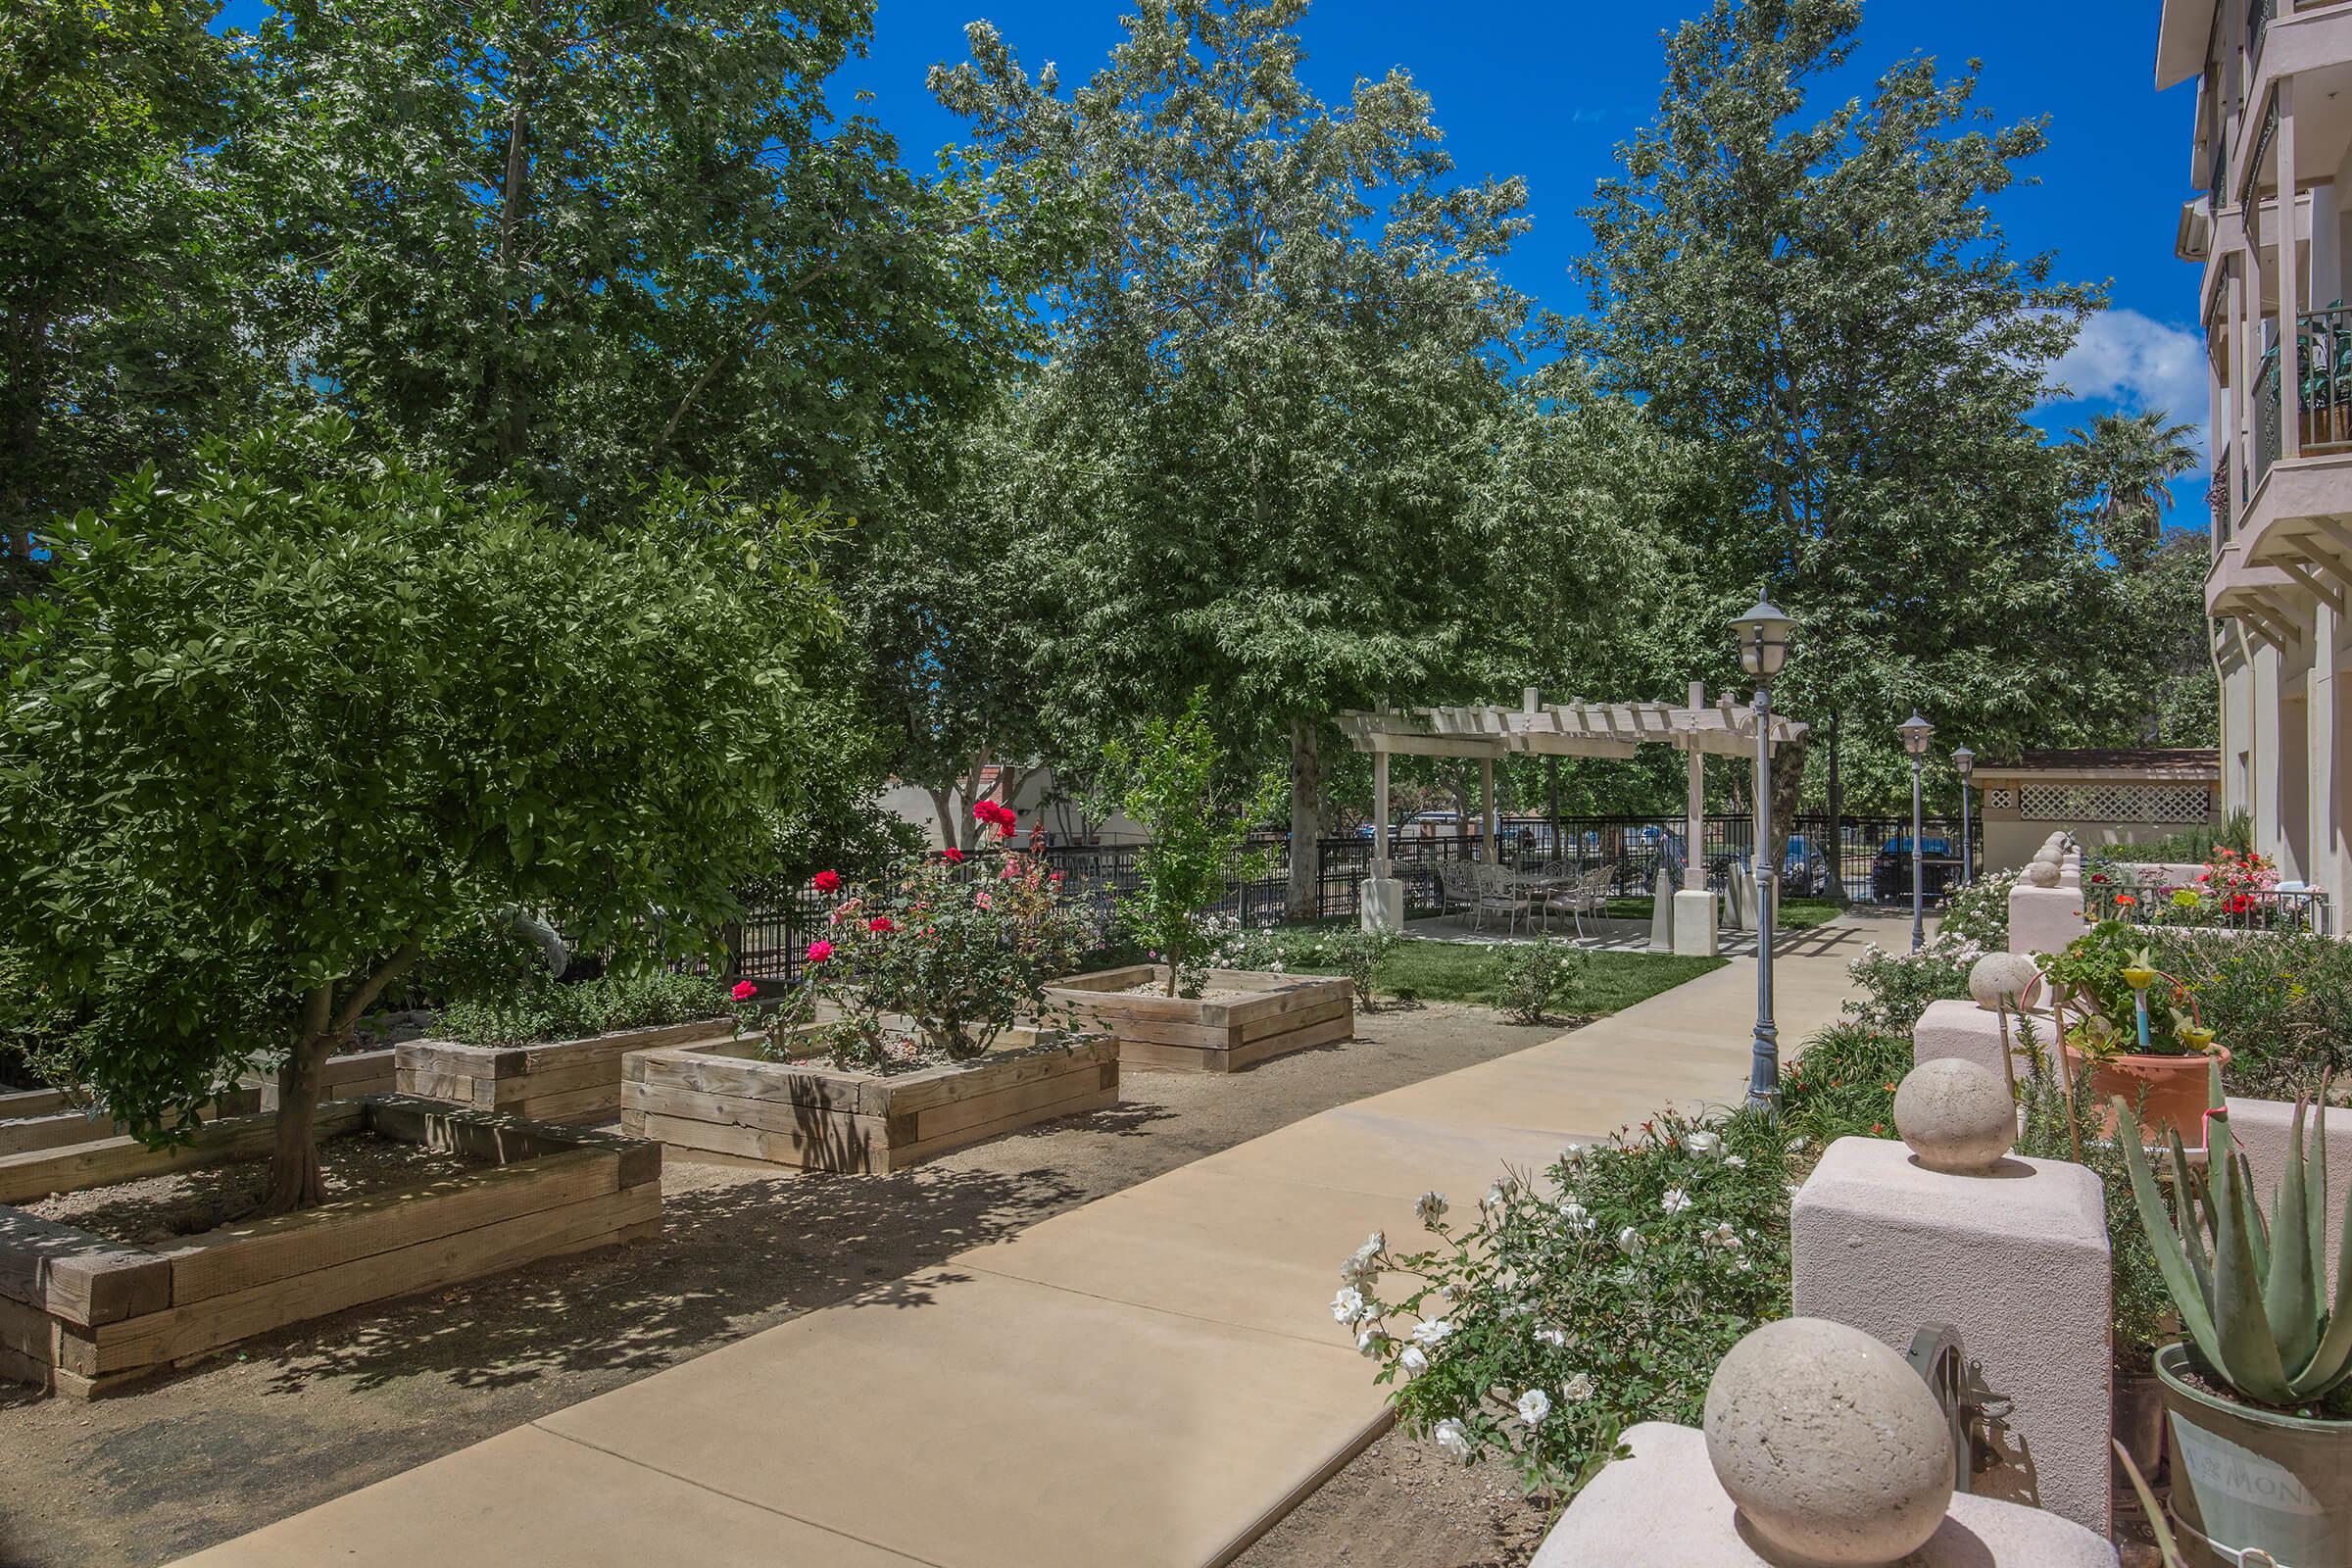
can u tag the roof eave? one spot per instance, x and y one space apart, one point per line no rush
2180 39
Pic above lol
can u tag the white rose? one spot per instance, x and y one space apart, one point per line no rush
1734 1161
1452 1438
1556 1337
1432 1334
1369 1342
1349 1305
1534 1405
1414 1360
1431 1207
1576 1390
1675 1200
1703 1143
1630 1242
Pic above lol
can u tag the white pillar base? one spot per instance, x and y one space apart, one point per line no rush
2043 920
1694 923
1379 903
1661 912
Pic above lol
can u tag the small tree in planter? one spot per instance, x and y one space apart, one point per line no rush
273 738
1166 781
961 948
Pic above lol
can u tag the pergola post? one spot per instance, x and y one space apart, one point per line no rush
1486 809
1694 929
1381 907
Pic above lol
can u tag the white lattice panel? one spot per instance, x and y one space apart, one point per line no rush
2178 804
1999 800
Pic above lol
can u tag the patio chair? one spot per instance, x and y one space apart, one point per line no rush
1505 893
1457 883
1589 894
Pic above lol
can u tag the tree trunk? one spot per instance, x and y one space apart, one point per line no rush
943 801
1788 791
294 1179
1306 796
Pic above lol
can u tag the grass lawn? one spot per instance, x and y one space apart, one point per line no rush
1794 915
1458 971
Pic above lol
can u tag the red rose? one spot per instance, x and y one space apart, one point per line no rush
827 881
744 991
880 922
820 950
952 854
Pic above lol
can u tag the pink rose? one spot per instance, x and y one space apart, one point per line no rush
744 991
820 950
982 901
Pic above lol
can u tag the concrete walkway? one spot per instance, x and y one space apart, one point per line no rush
1150 1379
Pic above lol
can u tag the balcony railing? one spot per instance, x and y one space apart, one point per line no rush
2266 417
2216 176
2216 498
2323 390
2257 23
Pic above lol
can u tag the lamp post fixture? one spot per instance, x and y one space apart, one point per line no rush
1915 732
1965 761
1763 639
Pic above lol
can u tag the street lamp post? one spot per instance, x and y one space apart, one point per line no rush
1915 732
1763 638
1964 761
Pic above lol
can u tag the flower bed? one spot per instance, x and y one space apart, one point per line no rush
728 1098
557 1080
83 1314
1281 1012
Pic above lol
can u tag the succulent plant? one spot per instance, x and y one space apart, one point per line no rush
2248 1286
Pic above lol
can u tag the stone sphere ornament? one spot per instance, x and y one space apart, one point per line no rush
1832 1447
2001 979
1956 1115
2043 873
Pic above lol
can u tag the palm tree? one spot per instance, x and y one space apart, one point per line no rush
2125 466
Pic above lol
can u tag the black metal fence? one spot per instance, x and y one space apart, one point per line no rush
2151 899
1869 855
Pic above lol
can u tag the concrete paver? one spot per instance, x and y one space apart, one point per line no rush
1148 1380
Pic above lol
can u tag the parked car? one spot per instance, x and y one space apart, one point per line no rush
1890 867
1805 872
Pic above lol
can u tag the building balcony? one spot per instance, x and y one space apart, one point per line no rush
2235 589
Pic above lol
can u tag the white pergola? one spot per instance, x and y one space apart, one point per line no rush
1574 728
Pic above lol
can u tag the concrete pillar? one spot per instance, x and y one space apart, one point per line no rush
2043 920
1486 809
1965 1030
1662 1507
2261 1128
1380 901
2017 1262
1694 930
2290 284
1662 912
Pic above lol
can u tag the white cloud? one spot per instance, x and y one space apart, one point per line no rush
2136 362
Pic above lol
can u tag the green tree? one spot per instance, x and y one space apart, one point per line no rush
277 733
1825 308
578 245
1167 781
118 299
1268 403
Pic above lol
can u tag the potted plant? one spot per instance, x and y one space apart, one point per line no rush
2136 1029
2257 1392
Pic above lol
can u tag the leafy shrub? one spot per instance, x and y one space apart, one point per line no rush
1354 951
1564 1309
2190 845
2281 1002
1842 1084
1980 912
1538 976
963 951
1898 986
630 1000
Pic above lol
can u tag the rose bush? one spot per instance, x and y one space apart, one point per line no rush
935 960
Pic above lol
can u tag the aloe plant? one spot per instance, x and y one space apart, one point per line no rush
2249 1292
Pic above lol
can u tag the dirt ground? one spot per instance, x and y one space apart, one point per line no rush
1403 1503
291 1419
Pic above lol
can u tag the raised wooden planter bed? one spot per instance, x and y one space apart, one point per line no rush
48 1118
562 1080
722 1097
1282 1013
83 1314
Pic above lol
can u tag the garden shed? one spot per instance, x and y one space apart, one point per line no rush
2103 795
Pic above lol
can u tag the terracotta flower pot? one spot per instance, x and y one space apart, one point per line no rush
2176 1091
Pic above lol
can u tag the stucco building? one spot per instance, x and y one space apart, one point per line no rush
2272 153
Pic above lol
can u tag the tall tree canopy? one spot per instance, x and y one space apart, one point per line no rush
1824 305
120 280
582 244
1271 388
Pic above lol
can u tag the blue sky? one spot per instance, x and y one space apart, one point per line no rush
1546 90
